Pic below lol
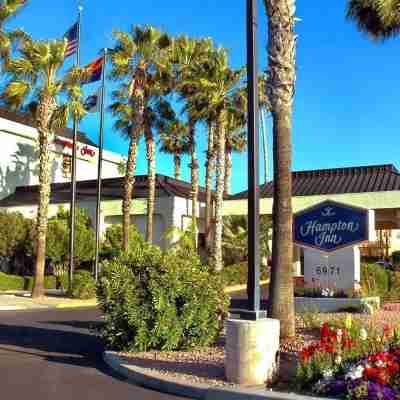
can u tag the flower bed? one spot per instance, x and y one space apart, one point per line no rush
353 363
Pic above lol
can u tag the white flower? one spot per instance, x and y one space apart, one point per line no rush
379 363
355 373
363 334
339 332
327 373
338 360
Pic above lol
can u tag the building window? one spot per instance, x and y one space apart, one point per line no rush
66 166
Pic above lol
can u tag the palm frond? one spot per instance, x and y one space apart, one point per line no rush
16 92
380 19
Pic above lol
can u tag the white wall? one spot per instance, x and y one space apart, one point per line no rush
19 159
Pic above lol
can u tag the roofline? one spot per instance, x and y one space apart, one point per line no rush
318 172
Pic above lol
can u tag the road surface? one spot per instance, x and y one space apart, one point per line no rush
53 355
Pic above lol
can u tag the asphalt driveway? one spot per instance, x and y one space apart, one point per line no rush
52 354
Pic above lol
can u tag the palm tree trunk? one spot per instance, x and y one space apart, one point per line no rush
228 172
129 182
209 174
280 90
137 103
219 197
44 113
177 164
151 163
195 174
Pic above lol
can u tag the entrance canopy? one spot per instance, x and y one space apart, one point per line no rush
374 187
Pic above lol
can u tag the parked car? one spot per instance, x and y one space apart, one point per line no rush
385 264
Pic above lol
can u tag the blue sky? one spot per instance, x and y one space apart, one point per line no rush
347 96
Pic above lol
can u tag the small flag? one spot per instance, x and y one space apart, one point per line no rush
92 102
93 71
72 36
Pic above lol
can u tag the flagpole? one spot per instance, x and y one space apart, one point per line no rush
73 172
99 165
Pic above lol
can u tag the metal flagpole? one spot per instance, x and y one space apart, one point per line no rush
73 174
264 136
99 165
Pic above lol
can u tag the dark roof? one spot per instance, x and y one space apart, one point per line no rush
111 190
373 178
27 119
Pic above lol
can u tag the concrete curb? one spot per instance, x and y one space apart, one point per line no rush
151 380
83 305
237 288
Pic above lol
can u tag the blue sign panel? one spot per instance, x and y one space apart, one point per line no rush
330 226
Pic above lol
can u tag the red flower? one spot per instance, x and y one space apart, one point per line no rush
325 331
387 331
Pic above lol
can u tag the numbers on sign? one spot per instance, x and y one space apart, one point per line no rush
327 270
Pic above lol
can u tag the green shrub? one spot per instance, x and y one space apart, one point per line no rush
236 274
50 282
234 238
394 287
396 257
14 231
11 282
15 282
83 285
57 242
161 301
112 244
374 280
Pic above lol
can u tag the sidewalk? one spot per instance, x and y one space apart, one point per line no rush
21 300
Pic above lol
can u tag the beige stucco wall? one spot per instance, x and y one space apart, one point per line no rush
169 211
19 159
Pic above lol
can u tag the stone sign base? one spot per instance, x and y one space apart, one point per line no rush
329 304
338 271
251 350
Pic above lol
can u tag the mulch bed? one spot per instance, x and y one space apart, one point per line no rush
206 366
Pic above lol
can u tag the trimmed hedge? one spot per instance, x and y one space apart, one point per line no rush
14 282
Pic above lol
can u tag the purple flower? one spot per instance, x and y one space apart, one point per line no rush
337 388
380 392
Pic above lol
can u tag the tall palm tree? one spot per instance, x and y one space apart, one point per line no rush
8 10
129 123
217 86
379 19
210 168
236 141
187 55
280 92
175 141
139 60
34 75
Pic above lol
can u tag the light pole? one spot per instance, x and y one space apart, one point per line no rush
253 282
252 312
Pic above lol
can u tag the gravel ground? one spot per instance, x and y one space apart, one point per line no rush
207 365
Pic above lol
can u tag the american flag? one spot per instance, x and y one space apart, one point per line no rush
73 40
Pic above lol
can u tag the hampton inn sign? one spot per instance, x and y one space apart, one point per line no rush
330 226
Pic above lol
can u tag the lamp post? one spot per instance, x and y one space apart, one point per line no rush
253 281
253 311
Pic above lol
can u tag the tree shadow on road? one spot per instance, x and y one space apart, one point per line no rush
55 345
